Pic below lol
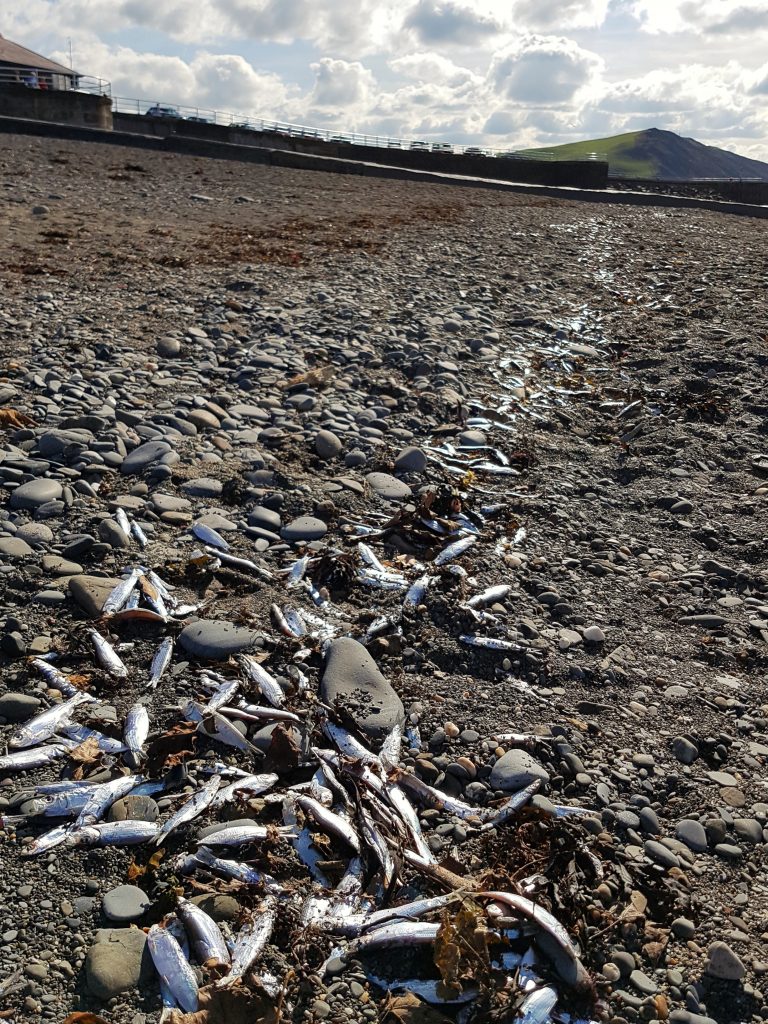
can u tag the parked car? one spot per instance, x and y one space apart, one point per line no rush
160 111
200 120
474 151
393 144
442 147
421 147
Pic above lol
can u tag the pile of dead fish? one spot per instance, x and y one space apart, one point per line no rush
361 800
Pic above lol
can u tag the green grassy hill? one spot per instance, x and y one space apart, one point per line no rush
654 153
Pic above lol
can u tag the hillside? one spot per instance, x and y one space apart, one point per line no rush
654 153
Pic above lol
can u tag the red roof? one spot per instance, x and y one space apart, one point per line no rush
12 53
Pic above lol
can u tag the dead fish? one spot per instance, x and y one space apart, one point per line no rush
239 835
257 713
429 991
378 844
454 550
381 582
224 690
389 754
54 677
537 1006
400 802
347 743
205 935
267 685
417 592
48 841
280 621
138 535
160 662
191 809
104 795
301 841
489 643
114 833
383 624
81 734
370 558
297 571
106 656
118 596
153 596
252 785
434 797
510 807
295 621
217 727
209 536
235 870
122 521
136 729
25 760
173 967
251 941
242 564
489 596
330 822
44 725
401 933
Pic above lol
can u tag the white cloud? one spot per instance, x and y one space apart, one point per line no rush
558 15
436 22
341 85
435 68
543 70
721 17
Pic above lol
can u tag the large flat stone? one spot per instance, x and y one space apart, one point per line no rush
212 638
352 678
144 456
36 492
91 592
515 770
117 962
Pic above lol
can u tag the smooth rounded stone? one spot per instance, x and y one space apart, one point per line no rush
36 534
143 456
660 854
117 961
57 566
723 963
729 850
134 808
168 348
722 778
594 635
18 707
411 460
352 679
684 750
216 522
114 535
327 445
169 502
219 907
683 928
203 419
304 528
53 442
125 903
388 487
692 833
36 493
215 639
203 487
91 592
746 828
472 439
689 1017
644 984
13 547
515 770
266 518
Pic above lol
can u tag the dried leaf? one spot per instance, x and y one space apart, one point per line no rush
83 1018
461 946
171 747
407 1009
87 753
313 378
139 870
14 418
284 752
229 1006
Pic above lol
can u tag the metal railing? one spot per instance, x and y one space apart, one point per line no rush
36 78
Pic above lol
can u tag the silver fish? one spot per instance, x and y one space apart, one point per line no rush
164 589
57 805
54 677
239 835
409 911
319 789
402 805
136 729
417 592
378 845
280 621
223 691
402 933
369 557
104 795
538 1006
380 625
217 727
117 597
489 596
296 623
243 564
205 935
297 571
133 602
389 755
79 733
44 725
454 550
257 713
209 536
48 841
251 941
173 968
122 521
154 598
329 821
235 870
138 535
489 643
347 743
114 833
301 840
267 685
252 785
106 657
160 662
509 808
191 809
381 582
434 797
429 991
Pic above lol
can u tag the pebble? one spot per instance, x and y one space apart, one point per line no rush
515 770
18 707
389 487
723 963
304 528
125 903
91 592
215 639
352 678
35 493
116 962
327 445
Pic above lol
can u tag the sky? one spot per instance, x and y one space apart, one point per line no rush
501 74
